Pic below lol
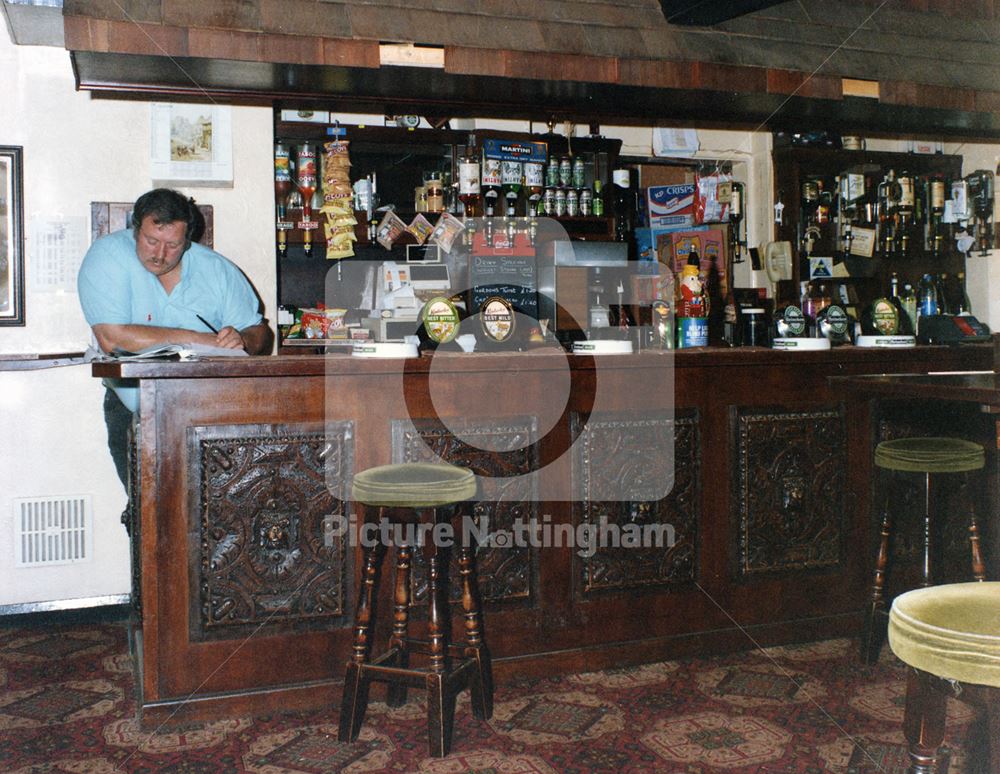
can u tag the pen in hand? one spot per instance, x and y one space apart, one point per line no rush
207 324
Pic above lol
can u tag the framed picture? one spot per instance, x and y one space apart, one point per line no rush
191 145
11 236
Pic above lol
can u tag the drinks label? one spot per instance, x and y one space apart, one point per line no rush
549 203
552 174
491 172
515 150
854 186
791 323
496 316
586 202
560 203
572 202
510 173
579 172
906 192
468 178
937 195
534 176
834 322
441 320
885 317
282 173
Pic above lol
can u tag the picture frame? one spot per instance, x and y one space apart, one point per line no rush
11 235
191 144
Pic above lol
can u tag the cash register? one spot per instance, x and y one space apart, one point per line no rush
399 294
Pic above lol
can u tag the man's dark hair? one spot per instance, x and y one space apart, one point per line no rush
166 205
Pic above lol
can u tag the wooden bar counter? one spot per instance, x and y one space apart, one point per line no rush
247 600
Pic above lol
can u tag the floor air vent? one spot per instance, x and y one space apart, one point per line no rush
53 530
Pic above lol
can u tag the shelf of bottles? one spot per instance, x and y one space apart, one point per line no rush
509 182
883 220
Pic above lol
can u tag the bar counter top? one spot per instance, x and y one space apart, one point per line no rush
870 360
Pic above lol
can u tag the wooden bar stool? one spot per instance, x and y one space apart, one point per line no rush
949 636
411 494
931 457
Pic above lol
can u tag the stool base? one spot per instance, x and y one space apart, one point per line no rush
924 721
474 672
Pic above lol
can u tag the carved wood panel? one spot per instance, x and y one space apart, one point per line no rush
657 448
502 452
265 554
790 489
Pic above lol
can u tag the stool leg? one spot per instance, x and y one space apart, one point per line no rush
481 682
355 699
396 694
923 723
873 632
440 698
928 569
978 566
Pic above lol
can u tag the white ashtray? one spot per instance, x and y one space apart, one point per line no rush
602 347
801 344
896 342
385 349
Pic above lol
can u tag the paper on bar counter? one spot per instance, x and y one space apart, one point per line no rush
189 351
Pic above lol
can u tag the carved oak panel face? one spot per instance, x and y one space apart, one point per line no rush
790 478
657 540
266 555
505 573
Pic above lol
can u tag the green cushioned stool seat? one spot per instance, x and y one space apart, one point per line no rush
949 637
414 485
952 631
930 455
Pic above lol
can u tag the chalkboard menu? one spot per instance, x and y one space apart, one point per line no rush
508 276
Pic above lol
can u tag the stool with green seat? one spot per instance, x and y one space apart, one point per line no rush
411 494
931 457
949 636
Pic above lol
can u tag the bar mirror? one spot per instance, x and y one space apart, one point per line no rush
11 237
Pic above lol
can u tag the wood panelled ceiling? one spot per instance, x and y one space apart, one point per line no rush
937 62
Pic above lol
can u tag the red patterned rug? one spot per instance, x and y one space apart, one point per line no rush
67 705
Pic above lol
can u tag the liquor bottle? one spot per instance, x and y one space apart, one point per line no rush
490 186
282 185
909 302
905 207
534 180
961 304
468 179
936 197
622 204
942 286
511 177
307 182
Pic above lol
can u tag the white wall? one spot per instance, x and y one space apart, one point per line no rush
78 150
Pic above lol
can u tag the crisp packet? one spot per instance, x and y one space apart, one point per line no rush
446 231
389 230
420 228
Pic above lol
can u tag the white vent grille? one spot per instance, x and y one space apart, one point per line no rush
53 530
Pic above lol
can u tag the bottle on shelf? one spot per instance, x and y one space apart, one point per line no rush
490 186
469 179
534 182
905 208
511 179
961 303
908 299
943 286
936 198
927 300
622 204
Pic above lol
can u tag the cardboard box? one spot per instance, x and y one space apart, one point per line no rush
670 205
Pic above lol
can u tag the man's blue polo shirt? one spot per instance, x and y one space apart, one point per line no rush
115 288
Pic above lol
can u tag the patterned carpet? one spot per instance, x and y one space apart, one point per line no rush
67 705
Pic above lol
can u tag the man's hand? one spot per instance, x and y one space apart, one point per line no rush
229 338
